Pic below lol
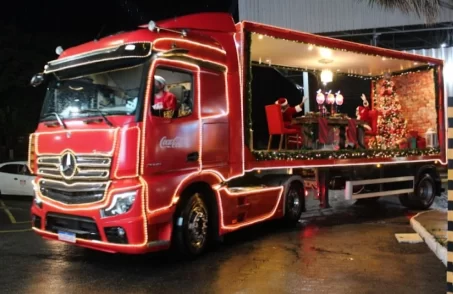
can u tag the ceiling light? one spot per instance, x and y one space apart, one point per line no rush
310 47
326 53
443 45
260 37
326 76
383 58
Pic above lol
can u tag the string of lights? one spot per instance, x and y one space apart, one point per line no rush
262 155
364 77
360 48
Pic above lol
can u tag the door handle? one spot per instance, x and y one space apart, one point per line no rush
192 156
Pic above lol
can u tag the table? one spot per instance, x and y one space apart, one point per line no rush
340 122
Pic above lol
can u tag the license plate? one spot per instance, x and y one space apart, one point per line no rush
67 237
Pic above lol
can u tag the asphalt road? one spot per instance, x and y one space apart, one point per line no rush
349 249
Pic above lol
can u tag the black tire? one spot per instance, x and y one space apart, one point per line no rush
294 203
191 235
423 196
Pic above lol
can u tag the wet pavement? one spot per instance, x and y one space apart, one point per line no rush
348 249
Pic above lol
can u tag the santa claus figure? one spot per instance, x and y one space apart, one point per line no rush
362 113
289 111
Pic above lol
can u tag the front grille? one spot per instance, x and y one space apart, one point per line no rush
87 167
83 227
76 193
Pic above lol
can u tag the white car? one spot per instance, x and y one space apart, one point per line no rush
16 179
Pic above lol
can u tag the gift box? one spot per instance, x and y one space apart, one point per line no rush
421 143
412 142
403 145
412 139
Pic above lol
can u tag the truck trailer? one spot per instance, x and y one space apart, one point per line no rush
178 132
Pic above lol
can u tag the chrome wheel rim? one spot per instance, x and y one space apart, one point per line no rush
293 202
197 225
426 192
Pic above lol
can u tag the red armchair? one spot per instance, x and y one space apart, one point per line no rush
276 126
373 119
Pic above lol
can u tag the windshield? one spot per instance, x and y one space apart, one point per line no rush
107 93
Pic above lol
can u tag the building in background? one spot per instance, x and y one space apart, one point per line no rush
357 21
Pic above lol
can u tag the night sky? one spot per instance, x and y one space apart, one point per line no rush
31 30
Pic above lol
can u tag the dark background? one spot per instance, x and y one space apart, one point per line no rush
31 31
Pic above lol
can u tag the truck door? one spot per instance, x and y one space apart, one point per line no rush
173 139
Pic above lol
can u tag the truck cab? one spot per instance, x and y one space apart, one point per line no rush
111 166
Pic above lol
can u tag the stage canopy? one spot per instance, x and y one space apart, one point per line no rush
280 47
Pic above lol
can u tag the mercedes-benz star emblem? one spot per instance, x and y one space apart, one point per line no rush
68 165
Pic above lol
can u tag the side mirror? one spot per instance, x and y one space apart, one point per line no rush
37 79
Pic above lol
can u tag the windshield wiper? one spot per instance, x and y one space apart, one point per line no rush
60 121
100 113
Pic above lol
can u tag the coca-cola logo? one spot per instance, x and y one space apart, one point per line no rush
176 142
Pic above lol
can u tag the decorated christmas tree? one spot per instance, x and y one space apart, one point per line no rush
392 126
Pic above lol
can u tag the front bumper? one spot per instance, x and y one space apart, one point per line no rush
125 233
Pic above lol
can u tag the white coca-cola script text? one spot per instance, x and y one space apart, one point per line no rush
176 142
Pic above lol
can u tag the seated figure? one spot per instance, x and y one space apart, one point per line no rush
363 113
288 112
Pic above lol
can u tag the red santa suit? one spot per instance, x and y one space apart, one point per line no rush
363 114
289 113
167 100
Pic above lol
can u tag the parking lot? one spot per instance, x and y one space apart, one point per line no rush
15 214
349 249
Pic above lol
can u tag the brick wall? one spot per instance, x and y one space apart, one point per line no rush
416 93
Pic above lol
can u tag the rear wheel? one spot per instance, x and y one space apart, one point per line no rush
295 203
192 226
423 196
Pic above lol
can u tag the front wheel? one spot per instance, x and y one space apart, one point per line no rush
192 226
294 203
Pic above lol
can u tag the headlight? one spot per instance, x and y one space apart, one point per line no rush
121 203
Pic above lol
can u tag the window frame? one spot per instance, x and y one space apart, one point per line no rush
172 68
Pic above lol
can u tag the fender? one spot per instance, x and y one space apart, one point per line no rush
283 180
211 178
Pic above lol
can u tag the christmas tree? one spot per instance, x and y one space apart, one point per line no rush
392 126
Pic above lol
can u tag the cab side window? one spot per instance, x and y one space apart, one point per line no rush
173 93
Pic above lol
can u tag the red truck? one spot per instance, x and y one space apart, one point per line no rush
153 138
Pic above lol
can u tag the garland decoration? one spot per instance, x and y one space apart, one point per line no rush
248 88
342 154
372 78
